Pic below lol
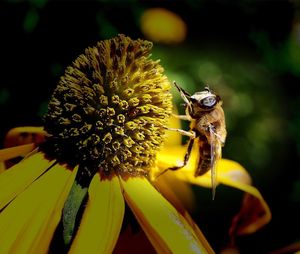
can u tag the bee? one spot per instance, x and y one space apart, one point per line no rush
207 127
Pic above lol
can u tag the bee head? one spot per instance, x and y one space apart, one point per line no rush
205 100
199 102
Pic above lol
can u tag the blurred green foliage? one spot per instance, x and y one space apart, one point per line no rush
4 95
31 19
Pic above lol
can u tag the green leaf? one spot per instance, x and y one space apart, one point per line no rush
72 206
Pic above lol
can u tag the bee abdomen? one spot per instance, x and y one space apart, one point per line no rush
205 159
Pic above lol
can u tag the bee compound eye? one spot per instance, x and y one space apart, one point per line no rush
209 101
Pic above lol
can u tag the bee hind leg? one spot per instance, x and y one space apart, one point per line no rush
186 156
185 160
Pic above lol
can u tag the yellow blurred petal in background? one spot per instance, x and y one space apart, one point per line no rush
24 135
162 25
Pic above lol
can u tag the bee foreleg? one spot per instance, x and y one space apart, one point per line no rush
190 134
182 117
184 95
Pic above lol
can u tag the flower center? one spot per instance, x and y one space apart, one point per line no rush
109 109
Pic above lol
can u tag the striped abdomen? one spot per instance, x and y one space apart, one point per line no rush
205 157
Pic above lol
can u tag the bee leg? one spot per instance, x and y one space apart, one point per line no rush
182 117
190 134
186 156
185 160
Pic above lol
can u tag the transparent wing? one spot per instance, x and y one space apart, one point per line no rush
215 153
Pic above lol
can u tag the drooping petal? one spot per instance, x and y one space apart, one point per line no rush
229 173
102 218
253 215
254 212
226 169
13 152
18 177
167 230
29 221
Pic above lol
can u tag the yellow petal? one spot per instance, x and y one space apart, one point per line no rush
167 230
228 172
2 166
54 212
169 189
28 222
102 218
13 152
18 177
173 156
175 190
226 169
198 232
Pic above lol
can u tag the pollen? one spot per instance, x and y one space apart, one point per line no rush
109 109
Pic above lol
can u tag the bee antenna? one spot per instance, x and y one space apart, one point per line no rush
181 90
177 86
184 95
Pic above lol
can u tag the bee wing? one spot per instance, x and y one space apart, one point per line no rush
215 153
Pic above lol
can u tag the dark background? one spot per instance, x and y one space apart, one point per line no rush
249 52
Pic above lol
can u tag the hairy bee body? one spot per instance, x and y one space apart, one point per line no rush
210 134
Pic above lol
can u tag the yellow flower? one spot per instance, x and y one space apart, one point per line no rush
105 124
